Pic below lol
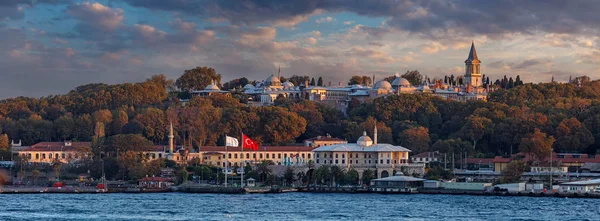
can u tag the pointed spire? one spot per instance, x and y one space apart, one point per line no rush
473 52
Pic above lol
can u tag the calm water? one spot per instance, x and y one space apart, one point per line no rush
291 206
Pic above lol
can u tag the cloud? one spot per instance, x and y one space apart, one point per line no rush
432 48
96 16
348 22
324 20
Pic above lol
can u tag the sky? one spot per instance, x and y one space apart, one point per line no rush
50 47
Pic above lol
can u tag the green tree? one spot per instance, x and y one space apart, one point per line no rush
320 81
197 78
297 80
155 124
513 172
312 82
475 127
127 142
367 176
360 80
64 127
414 77
264 170
120 118
278 125
289 175
351 177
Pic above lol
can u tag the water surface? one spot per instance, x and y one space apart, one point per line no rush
291 206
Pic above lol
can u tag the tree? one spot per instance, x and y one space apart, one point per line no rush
64 127
289 175
416 138
197 78
312 82
337 174
367 176
133 127
155 124
537 144
513 172
320 81
511 83
4 143
264 170
572 136
414 77
475 128
278 125
120 118
84 128
297 80
102 116
360 80
127 142
351 177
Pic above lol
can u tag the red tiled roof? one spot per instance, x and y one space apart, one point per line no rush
57 146
260 149
480 160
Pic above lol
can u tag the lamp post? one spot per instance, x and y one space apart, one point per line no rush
551 150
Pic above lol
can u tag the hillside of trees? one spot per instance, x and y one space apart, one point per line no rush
523 118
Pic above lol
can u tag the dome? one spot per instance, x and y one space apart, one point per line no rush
212 87
383 84
272 81
249 86
288 84
400 81
364 140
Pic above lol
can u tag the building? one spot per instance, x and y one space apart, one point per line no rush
426 157
52 152
482 164
366 154
573 162
266 92
586 186
397 183
155 183
323 141
209 90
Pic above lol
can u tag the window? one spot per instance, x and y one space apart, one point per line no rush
254 155
325 161
37 156
278 156
235 156
260 156
317 155
380 161
63 155
228 156
395 161
267 155
324 155
285 155
317 160
160 155
336 161
343 161
356 161
369 161
388 161
336 155
349 162
56 156
343 155
247 156
309 155
273 156
302 155
49 156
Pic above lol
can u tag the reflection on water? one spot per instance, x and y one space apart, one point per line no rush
291 206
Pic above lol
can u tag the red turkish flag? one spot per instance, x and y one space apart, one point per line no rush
248 143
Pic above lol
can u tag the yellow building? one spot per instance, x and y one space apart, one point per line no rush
51 152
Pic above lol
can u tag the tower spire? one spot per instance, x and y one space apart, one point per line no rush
279 73
171 136
473 52
375 134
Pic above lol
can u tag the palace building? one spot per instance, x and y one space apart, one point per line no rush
367 154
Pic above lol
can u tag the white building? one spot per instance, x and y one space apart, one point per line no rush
366 154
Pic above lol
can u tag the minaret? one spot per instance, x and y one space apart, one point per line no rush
375 135
472 68
171 136
279 73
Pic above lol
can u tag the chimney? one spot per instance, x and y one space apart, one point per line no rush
375 134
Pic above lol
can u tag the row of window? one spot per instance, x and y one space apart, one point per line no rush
266 156
356 161
50 156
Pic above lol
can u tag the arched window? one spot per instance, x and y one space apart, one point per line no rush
278 156
309 155
247 156
260 156
37 156
235 156
267 156
273 156
336 155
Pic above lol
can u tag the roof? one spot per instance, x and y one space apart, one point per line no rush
583 183
592 167
480 160
359 93
260 149
472 53
57 146
156 179
399 179
353 147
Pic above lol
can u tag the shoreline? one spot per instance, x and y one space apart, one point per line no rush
237 191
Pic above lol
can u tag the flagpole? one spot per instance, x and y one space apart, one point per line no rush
243 164
226 162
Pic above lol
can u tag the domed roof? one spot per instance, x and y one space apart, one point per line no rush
400 81
288 84
249 86
272 79
213 86
364 140
383 84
